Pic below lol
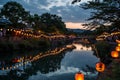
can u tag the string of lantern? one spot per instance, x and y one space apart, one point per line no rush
23 33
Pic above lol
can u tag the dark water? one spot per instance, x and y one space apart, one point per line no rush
53 67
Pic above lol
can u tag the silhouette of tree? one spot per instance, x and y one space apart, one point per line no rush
15 13
105 12
53 23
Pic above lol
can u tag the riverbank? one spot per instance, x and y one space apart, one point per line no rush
103 51
27 44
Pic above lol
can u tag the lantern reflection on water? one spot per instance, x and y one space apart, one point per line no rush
79 76
100 67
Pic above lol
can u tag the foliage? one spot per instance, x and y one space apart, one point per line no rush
116 70
104 12
21 19
53 23
15 13
103 49
24 45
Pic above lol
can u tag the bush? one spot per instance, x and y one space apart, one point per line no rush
103 49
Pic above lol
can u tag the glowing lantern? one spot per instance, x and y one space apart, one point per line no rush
100 67
79 76
119 44
114 54
117 48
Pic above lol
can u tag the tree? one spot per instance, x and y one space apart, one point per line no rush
15 13
53 23
107 12
104 12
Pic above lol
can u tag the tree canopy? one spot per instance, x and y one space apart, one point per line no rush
21 18
15 13
105 15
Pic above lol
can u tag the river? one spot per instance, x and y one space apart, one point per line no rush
61 66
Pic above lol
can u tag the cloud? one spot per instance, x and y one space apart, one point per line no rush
63 8
27 1
55 3
1 6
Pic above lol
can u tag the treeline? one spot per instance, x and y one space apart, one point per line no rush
21 18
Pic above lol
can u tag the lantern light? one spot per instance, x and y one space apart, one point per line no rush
118 41
100 67
114 54
79 76
117 48
118 44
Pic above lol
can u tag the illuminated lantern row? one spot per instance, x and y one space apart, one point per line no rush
100 67
79 76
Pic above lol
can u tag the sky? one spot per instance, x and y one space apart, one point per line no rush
71 14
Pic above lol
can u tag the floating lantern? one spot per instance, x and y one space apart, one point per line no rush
100 67
114 54
117 48
79 76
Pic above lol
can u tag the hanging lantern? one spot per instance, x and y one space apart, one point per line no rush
79 76
100 67
119 44
117 48
114 54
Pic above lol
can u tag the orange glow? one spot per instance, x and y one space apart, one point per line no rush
119 44
118 41
72 25
117 48
79 76
114 54
100 67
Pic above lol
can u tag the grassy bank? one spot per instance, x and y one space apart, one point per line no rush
28 44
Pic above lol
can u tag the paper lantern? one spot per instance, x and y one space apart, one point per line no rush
114 54
79 76
100 67
119 44
117 48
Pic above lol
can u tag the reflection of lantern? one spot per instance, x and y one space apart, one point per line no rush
117 48
114 54
79 76
100 67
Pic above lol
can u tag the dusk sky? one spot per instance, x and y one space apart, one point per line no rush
72 14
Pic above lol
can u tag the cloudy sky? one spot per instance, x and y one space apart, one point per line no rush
71 14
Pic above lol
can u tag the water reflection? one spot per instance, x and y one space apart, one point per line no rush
80 47
51 65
